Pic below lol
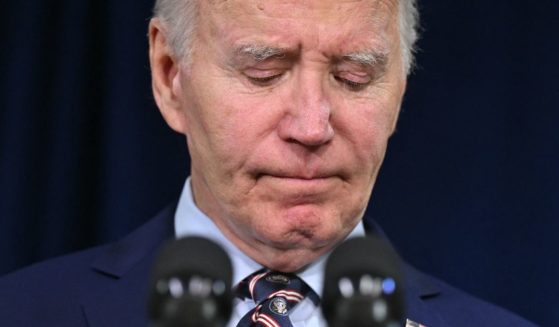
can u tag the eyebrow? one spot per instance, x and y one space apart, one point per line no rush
367 58
259 52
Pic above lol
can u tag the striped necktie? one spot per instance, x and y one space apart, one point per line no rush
275 295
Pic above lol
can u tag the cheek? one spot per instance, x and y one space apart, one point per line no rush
366 126
228 126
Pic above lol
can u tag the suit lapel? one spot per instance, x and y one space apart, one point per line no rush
419 288
126 268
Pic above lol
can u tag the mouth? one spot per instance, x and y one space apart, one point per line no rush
290 182
303 175
300 178
300 184
296 177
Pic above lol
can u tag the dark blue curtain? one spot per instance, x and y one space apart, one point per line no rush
469 191
84 155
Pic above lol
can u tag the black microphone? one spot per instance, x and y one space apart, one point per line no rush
191 285
362 285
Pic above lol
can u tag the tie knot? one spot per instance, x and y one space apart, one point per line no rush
274 294
267 284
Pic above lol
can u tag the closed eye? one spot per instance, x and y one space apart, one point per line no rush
265 80
352 85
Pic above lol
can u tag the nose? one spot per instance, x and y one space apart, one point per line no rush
308 114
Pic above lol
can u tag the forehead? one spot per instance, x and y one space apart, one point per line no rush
300 7
310 23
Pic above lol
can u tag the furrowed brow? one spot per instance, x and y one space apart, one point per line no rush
259 52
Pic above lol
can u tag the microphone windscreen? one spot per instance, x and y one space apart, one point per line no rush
190 284
193 255
363 285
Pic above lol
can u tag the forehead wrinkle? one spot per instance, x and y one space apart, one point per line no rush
372 44
379 14
305 9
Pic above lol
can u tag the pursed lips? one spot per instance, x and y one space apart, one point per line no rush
294 180
295 191
298 176
291 189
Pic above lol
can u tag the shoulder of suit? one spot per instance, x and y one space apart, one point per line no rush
456 307
53 290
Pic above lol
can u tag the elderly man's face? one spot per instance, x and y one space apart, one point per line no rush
287 108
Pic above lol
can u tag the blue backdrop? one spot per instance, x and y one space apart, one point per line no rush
469 190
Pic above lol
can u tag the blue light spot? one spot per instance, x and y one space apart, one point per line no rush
388 286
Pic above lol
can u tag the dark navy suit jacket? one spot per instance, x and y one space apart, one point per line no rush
107 286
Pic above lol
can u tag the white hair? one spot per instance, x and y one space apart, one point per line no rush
408 25
179 18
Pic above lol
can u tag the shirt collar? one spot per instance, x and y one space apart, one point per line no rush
190 221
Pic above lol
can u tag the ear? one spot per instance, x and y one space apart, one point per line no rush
165 74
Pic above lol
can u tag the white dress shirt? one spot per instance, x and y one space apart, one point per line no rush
190 221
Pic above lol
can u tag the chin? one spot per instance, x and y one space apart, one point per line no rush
307 236
291 261
298 248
